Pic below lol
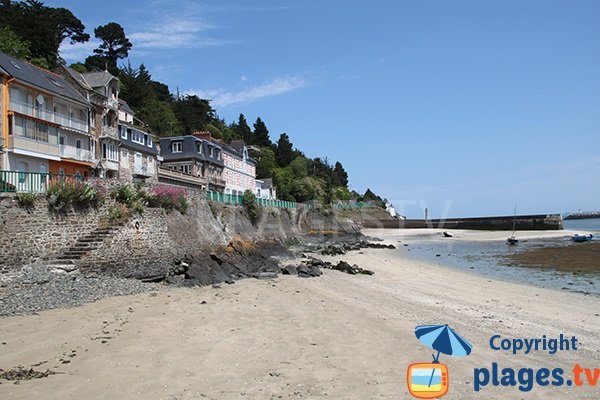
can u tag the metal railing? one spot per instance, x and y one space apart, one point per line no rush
353 205
66 120
76 153
32 182
142 170
238 199
47 115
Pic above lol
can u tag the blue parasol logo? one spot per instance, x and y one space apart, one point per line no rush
430 380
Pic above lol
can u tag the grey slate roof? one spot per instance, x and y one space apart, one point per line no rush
98 79
142 148
189 149
78 76
38 77
125 107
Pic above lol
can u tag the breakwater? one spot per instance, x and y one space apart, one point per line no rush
499 223
583 215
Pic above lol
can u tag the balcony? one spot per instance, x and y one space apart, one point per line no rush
61 119
27 109
22 143
169 175
142 171
109 164
112 103
69 122
216 181
76 154
109 132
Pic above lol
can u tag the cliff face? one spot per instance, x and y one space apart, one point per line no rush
87 240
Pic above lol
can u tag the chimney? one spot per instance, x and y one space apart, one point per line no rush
203 135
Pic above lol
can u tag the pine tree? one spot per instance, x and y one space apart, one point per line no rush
284 153
261 134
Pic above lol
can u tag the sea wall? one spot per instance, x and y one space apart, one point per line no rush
152 238
501 223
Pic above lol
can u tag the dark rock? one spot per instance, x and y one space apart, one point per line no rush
289 270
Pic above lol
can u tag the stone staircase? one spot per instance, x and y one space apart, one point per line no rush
68 259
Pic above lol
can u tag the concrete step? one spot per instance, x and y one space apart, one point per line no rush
69 257
60 262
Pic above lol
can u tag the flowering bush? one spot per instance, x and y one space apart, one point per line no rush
61 194
169 198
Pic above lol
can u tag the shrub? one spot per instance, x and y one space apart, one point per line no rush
169 198
252 209
63 194
25 200
124 194
118 214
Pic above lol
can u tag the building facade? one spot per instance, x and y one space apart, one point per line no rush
138 154
45 122
239 171
195 156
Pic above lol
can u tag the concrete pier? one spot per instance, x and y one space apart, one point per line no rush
500 223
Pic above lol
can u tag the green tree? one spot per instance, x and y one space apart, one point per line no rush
13 45
261 134
115 45
193 113
44 28
340 176
266 162
136 89
79 67
284 153
242 130
300 166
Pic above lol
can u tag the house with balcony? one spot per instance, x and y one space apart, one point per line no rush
239 170
44 122
192 160
102 91
139 155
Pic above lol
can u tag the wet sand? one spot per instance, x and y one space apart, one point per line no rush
578 258
333 337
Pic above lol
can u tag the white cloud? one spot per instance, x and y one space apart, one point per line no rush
176 33
274 87
78 51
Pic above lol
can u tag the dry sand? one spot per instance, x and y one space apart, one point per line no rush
334 337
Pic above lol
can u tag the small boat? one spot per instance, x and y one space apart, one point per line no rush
577 238
447 234
512 240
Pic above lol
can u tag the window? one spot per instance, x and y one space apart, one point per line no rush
210 151
149 141
78 144
110 152
176 147
62 140
136 136
199 148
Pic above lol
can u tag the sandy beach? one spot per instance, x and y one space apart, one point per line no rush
337 336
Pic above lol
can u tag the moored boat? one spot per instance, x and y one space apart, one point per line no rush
577 238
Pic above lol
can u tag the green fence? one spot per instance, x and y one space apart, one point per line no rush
237 199
31 182
349 206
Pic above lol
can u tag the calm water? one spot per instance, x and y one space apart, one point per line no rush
487 258
592 225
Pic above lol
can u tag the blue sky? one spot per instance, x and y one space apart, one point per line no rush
464 107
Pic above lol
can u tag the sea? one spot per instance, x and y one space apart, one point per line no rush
488 258
589 225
